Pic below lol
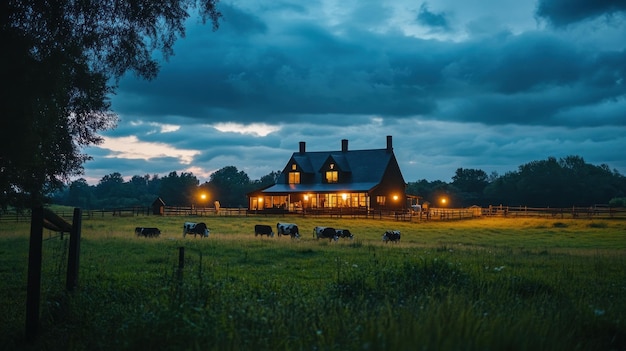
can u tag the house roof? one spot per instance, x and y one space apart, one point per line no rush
365 167
320 188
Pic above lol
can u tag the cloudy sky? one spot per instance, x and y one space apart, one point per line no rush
476 84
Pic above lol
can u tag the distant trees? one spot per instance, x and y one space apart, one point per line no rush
569 181
227 185
230 186
179 190
470 184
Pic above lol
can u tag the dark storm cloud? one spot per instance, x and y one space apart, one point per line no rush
565 12
431 19
475 84
310 71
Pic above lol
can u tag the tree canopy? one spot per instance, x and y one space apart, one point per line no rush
60 64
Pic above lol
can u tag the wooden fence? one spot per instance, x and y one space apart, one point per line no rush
592 212
432 214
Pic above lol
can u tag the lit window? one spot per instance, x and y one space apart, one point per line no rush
294 177
331 176
294 167
380 200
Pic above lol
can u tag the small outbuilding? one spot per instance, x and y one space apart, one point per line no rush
158 207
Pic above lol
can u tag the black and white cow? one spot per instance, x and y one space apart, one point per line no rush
147 232
262 229
344 233
290 229
391 235
195 229
325 233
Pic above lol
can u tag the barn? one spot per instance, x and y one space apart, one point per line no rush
158 207
348 180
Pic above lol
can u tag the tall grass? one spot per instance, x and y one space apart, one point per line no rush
475 285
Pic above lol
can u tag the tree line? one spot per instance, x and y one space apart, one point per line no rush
565 182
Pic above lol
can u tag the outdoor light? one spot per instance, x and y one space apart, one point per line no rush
344 196
306 197
444 201
203 196
395 198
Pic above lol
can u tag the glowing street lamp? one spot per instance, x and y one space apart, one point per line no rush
444 201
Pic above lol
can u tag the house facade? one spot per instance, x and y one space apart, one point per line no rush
346 180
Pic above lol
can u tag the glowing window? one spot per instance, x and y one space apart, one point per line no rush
294 177
381 200
332 176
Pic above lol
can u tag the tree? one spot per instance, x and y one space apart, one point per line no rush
80 194
470 184
61 61
230 186
268 179
179 190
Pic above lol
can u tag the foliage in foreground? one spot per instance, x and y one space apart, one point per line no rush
364 297
473 285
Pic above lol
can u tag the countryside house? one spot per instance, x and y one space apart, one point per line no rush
342 180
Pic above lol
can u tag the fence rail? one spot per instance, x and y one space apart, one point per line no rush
431 214
597 212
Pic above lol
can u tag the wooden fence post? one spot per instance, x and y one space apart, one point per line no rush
33 288
179 273
74 251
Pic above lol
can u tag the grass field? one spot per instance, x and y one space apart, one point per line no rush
484 284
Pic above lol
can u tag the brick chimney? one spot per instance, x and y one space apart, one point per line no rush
389 143
302 147
344 145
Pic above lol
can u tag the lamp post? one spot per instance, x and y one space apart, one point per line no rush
444 203
203 198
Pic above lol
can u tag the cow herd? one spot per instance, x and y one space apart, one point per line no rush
286 229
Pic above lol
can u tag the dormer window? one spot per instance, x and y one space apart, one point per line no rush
332 176
294 175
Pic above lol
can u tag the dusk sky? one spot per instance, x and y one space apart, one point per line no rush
478 84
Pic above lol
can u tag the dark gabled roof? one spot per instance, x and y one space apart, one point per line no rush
158 202
304 163
340 160
320 188
366 168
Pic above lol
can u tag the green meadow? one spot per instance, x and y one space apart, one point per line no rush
483 284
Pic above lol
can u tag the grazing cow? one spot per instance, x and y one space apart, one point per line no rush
344 233
147 232
261 229
288 229
391 235
325 233
195 229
